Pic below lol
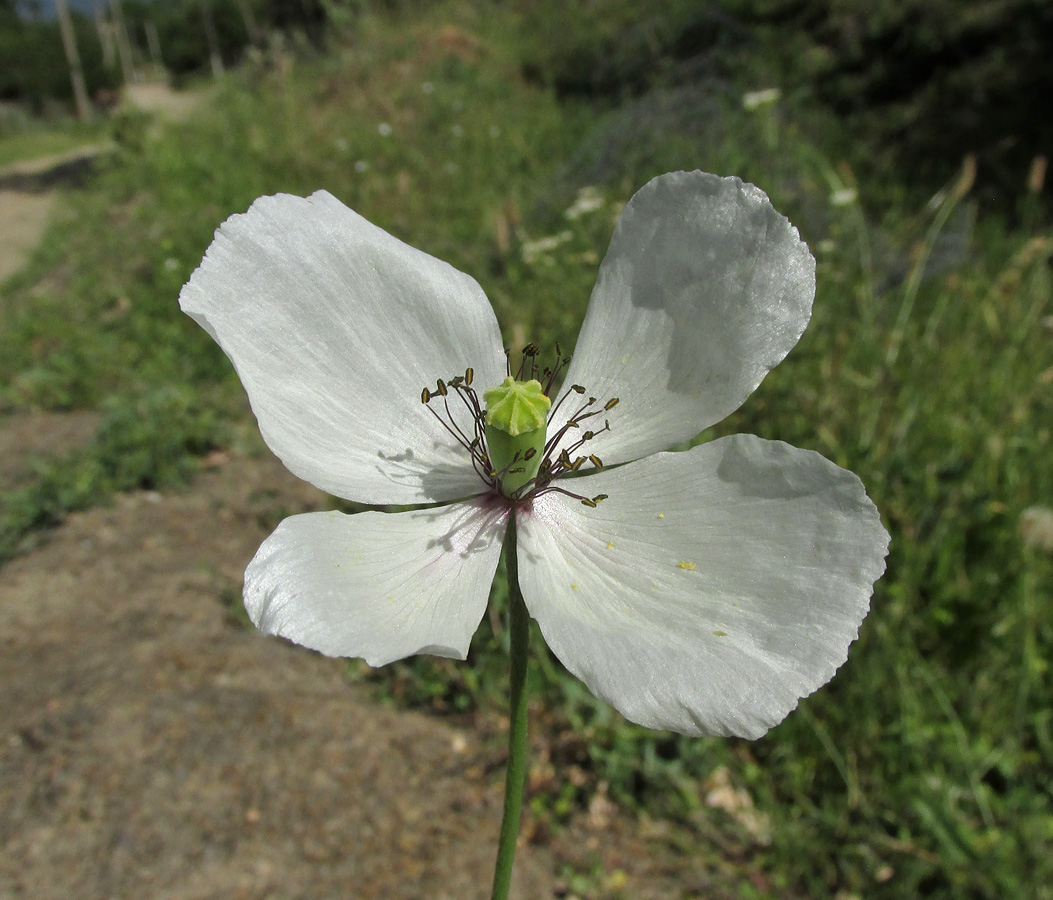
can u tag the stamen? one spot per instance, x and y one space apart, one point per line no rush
554 464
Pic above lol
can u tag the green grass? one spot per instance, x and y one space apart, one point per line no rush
924 768
27 141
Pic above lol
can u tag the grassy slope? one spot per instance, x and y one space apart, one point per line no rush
923 769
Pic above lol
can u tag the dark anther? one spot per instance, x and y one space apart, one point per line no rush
531 350
578 463
531 453
425 396
599 497
613 402
590 503
577 388
596 461
440 387
469 374
588 435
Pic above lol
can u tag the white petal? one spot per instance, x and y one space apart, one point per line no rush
704 289
381 586
712 589
335 327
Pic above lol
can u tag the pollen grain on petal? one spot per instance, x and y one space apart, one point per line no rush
684 564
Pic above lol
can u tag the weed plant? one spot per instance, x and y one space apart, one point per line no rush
924 768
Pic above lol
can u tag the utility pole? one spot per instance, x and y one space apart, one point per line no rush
105 29
154 43
124 46
214 56
250 21
76 73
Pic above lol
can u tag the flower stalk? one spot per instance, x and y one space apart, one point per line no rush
515 774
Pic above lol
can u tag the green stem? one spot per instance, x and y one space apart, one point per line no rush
515 776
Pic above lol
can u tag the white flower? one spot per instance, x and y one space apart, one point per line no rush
532 251
843 196
712 588
588 200
756 99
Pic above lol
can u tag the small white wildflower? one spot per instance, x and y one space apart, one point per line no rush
755 99
1036 528
384 129
533 250
843 196
589 199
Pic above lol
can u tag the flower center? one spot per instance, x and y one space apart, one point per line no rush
516 426
508 441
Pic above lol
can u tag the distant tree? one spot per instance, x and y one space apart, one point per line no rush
35 69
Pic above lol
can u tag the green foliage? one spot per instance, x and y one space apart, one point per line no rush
920 83
35 72
143 442
923 768
34 69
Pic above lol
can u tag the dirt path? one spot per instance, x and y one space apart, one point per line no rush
26 194
23 218
152 748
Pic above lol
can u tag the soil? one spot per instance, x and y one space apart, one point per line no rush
23 217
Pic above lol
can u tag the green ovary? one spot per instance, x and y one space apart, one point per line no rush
516 420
